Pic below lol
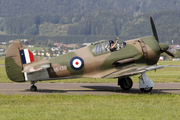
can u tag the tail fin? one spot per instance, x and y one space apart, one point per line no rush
17 57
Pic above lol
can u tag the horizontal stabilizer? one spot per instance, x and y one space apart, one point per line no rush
36 67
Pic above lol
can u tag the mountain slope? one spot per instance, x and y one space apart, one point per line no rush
13 8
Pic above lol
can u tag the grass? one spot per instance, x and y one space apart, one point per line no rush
2 62
96 107
3 76
169 63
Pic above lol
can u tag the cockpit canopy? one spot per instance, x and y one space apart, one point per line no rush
102 46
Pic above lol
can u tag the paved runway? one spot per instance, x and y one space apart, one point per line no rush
83 88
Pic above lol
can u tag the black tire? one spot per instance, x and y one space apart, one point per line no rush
126 83
146 90
33 88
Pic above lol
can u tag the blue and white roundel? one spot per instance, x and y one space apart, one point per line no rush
77 63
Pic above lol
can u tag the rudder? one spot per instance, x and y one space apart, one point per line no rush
14 61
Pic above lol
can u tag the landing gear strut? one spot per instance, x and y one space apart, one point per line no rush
125 83
145 83
33 88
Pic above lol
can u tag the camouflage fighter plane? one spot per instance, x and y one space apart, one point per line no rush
130 58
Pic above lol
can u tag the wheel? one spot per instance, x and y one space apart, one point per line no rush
125 83
33 88
146 90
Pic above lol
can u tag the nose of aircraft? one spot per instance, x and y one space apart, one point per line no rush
164 46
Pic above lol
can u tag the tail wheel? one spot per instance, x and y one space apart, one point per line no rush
33 88
125 83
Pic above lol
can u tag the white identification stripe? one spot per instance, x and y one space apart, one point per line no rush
25 76
26 52
79 63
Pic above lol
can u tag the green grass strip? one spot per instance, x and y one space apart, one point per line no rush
96 107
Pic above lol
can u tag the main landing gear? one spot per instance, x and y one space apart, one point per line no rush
145 83
125 83
33 88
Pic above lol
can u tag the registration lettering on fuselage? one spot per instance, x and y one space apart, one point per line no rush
57 69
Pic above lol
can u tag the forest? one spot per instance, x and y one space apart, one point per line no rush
15 8
78 21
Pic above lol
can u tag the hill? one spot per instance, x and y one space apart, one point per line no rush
14 8
80 21
95 25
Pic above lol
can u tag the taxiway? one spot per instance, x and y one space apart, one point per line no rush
83 88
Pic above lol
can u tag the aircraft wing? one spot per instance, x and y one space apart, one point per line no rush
132 70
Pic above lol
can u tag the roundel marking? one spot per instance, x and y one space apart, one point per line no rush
77 63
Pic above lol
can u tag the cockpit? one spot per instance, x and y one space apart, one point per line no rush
103 46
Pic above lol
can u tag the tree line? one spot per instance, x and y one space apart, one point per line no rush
97 24
15 8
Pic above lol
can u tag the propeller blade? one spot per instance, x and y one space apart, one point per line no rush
167 52
154 29
163 47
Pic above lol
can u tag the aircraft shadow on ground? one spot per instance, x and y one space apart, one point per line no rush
132 90
108 89
47 91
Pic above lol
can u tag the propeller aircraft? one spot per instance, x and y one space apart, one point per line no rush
99 60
